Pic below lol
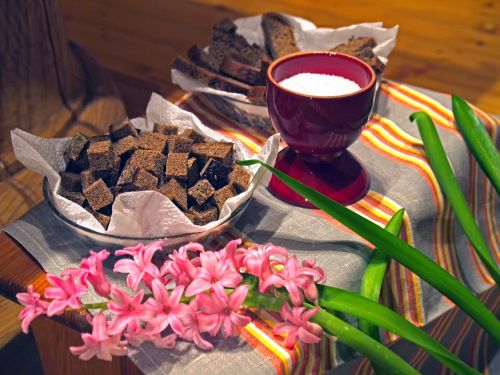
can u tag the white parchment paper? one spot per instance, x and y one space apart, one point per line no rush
140 213
308 37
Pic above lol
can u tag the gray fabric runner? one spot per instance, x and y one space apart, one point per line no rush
304 233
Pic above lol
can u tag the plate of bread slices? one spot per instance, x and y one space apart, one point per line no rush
230 73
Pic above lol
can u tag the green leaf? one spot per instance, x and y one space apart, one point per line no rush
475 135
373 277
444 174
377 314
346 333
398 250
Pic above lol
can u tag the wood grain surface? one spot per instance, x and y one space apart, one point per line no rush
451 46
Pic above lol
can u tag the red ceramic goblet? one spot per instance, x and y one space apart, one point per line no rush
318 129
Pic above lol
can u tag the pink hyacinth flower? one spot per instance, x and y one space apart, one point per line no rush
167 309
99 343
308 283
93 272
64 292
127 310
196 322
297 324
233 254
292 277
140 267
226 309
257 260
213 274
179 268
135 251
33 307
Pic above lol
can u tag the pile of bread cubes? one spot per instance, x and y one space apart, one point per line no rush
198 176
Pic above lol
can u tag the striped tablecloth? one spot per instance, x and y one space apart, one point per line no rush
391 149
393 144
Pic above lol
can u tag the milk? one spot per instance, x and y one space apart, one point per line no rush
319 84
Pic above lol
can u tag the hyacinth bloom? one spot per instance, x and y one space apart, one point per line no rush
33 307
128 311
257 259
210 280
140 267
297 324
93 272
213 274
196 322
233 254
179 268
293 278
99 343
167 309
64 292
225 309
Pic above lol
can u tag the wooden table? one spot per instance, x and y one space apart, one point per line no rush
448 46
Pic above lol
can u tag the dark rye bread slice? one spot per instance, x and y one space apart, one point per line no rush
208 77
257 95
226 41
235 68
362 48
278 35
203 59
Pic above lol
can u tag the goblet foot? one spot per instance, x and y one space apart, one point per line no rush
343 179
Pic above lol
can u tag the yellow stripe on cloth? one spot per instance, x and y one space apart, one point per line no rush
269 343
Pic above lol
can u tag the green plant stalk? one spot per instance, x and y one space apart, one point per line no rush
444 174
376 314
398 250
373 277
475 135
359 341
340 300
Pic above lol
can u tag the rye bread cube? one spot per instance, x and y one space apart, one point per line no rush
177 165
201 192
113 174
71 181
176 191
98 195
151 161
221 151
154 141
122 129
190 216
125 146
204 214
216 173
165 129
240 178
200 150
74 196
102 218
143 180
180 144
80 164
75 147
193 171
126 175
101 156
193 135
222 195
87 177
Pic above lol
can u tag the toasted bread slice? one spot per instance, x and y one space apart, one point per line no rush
278 34
212 79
